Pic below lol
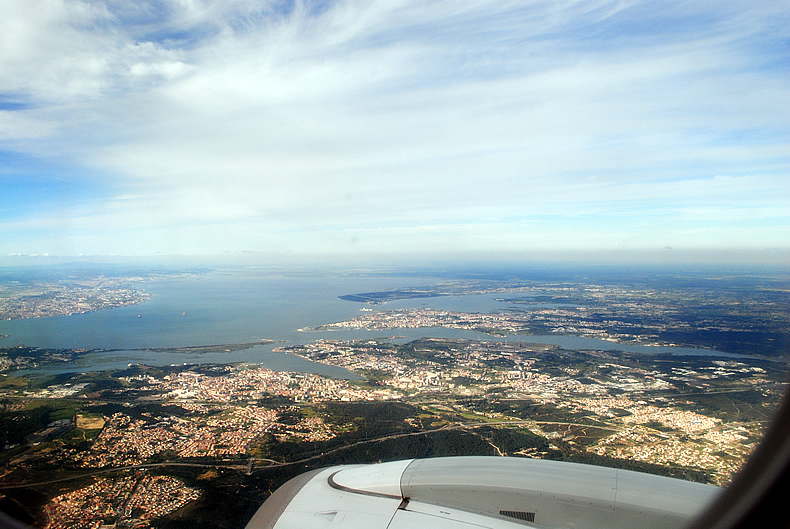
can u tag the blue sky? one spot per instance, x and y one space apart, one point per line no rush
356 128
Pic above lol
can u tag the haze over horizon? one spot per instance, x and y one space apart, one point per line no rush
356 129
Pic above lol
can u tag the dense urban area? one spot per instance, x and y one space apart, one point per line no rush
166 446
44 299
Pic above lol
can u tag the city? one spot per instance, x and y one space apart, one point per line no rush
242 241
614 406
196 431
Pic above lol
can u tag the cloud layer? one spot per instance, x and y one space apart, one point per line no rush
392 126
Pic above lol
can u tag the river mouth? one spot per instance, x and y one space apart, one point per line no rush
246 306
265 356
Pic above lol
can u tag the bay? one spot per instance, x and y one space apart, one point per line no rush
245 306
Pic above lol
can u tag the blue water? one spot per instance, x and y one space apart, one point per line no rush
246 306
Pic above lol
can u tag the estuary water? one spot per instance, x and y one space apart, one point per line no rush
227 307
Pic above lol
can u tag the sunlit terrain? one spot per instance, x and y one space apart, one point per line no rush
675 374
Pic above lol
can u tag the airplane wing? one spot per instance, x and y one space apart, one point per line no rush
474 492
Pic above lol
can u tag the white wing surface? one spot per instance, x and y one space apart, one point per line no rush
473 492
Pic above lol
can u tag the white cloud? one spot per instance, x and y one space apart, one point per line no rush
404 119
